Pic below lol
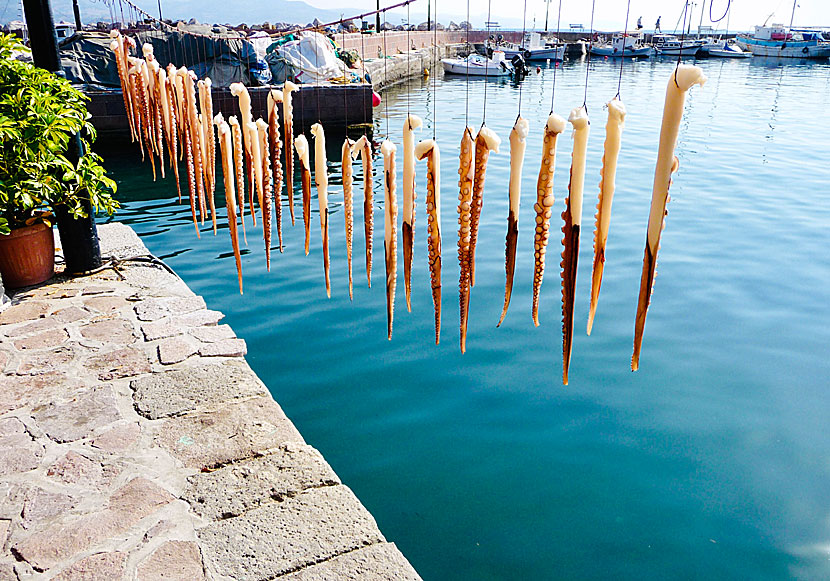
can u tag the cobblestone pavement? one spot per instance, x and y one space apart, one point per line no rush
136 443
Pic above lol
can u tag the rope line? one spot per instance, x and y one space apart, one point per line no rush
622 57
524 20
467 75
486 66
558 23
434 66
588 61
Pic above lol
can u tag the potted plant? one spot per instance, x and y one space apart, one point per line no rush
40 113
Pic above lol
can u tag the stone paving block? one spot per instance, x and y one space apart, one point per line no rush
42 505
5 525
379 562
34 327
118 439
238 488
97 290
5 356
178 391
157 308
225 348
175 350
18 451
200 318
47 361
71 314
67 421
60 541
212 334
45 340
25 311
73 468
106 304
18 391
160 329
7 572
285 536
235 432
174 560
113 331
99 567
124 362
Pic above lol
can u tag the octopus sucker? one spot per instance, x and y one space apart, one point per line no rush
572 217
544 202
518 144
288 124
411 123
681 80
264 160
348 203
486 141
429 150
611 152
390 233
132 81
364 146
465 199
301 145
226 150
321 180
274 98
236 132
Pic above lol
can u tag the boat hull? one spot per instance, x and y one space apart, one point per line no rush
536 54
677 51
789 49
460 67
642 51
728 54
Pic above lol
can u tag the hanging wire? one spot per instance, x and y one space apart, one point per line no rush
385 78
345 80
725 12
524 19
434 64
622 57
317 79
408 61
558 23
486 66
467 76
682 37
363 80
588 61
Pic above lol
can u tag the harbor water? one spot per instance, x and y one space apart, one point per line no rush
712 461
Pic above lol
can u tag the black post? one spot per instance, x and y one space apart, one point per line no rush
161 18
547 9
429 25
79 238
377 19
77 10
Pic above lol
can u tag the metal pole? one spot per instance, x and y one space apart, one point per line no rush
429 25
377 19
41 27
77 10
547 9
160 16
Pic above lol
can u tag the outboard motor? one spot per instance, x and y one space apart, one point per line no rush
519 65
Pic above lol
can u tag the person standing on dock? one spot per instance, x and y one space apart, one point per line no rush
640 23
657 25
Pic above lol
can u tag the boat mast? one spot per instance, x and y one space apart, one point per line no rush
700 24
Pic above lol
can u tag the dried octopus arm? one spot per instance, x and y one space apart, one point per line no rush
518 144
256 160
682 79
465 200
486 141
411 123
193 127
364 146
241 92
170 88
321 179
158 114
390 234
572 215
206 103
544 202
238 164
429 149
133 80
611 152
144 109
262 131
274 98
178 86
288 124
348 204
301 145
117 47
226 150
191 173
206 135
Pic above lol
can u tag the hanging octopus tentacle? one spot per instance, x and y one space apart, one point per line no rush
120 63
262 130
486 141
301 145
429 149
518 143
194 127
274 98
191 173
133 80
465 198
544 202
174 134
241 92
365 147
682 79
390 235
321 179
226 149
288 124
238 164
411 123
348 204
611 152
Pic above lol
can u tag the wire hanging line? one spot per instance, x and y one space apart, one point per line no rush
524 19
435 65
622 56
725 12
408 61
588 60
486 65
558 23
682 38
385 78
467 74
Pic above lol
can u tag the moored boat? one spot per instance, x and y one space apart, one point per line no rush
728 50
533 49
779 41
670 45
630 42
478 65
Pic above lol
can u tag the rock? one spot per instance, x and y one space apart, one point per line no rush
5 525
138 498
176 392
238 488
97 290
236 432
106 304
212 334
71 314
200 318
18 452
25 311
21 391
225 348
282 537
124 362
7 572
160 329
175 560
34 327
48 361
154 309
118 439
41 505
379 562
99 567
76 469
175 350
67 421
112 331
45 340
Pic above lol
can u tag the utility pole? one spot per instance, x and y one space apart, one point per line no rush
377 19
77 10
547 9
429 26
161 18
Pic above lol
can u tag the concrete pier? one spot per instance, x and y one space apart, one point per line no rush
137 443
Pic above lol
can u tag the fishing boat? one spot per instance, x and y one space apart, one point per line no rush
670 45
728 50
630 42
533 49
778 40
478 65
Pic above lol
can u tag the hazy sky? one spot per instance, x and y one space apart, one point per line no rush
610 14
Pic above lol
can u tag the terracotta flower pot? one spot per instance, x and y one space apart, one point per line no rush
27 255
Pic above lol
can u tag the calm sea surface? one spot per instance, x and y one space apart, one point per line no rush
712 461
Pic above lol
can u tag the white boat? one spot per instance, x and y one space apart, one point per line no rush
778 41
670 45
533 49
728 50
629 42
475 64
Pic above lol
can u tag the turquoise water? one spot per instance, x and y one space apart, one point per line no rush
712 461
